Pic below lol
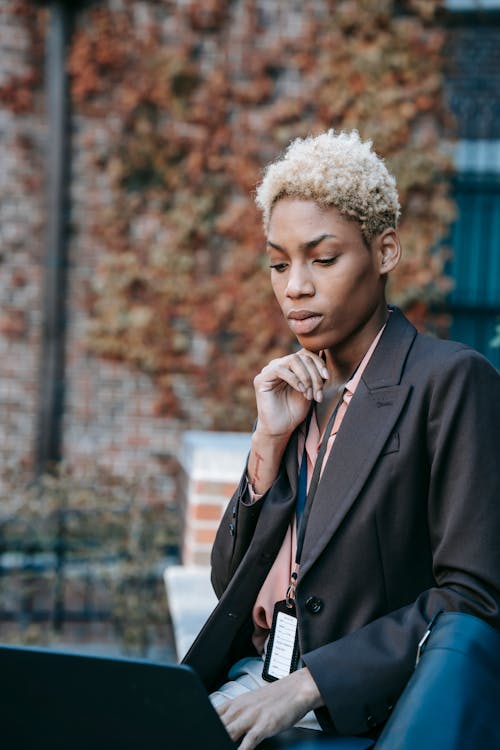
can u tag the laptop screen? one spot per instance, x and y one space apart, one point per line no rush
75 702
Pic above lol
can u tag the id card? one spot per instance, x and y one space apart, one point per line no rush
282 654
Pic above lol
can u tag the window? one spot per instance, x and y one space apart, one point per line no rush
475 266
473 90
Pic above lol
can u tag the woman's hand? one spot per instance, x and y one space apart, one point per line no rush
270 709
284 390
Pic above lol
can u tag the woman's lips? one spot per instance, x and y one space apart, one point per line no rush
303 321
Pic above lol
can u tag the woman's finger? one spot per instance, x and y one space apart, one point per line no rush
317 373
304 373
237 719
271 377
297 365
251 740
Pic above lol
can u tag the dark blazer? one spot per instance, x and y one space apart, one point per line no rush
406 521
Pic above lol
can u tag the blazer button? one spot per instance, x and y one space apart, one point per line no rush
314 605
231 529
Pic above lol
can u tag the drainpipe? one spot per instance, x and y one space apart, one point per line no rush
48 450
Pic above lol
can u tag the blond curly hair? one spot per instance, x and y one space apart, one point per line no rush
334 169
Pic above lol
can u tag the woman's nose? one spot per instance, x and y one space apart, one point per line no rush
299 283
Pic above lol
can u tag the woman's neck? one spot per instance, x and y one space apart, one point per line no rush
342 369
342 363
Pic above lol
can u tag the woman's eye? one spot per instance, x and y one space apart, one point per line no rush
279 267
325 261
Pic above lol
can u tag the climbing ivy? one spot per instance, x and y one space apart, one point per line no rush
196 97
17 91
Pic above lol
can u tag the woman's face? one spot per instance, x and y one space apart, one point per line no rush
328 283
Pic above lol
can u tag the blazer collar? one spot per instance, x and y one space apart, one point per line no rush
386 365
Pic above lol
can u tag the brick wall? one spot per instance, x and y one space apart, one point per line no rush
109 418
109 412
22 210
109 415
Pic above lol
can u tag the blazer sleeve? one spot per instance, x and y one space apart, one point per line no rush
361 675
234 535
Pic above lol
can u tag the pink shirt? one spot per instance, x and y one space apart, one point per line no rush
275 586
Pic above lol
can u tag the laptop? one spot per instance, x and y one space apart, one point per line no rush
50 699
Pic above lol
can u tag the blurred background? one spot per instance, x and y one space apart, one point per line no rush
135 305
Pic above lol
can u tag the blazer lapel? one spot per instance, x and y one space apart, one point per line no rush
365 429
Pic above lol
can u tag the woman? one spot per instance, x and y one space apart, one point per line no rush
401 518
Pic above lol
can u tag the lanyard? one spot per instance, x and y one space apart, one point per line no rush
302 488
305 498
304 502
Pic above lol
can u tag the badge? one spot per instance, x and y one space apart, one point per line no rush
282 656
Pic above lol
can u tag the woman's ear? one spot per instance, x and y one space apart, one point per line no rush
388 250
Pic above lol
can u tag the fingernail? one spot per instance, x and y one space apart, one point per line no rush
319 396
309 394
301 387
324 373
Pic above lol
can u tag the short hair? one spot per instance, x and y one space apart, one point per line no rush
334 170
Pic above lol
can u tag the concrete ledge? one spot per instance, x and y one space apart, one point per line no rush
214 456
190 599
